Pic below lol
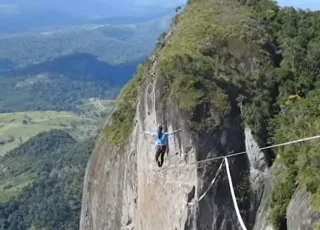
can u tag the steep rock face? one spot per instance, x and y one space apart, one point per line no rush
260 182
299 213
125 189
107 178
263 213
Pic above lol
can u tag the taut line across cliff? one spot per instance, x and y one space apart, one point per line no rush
244 152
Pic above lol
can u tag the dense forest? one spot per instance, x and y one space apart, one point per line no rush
62 84
53 164
297 34
55 93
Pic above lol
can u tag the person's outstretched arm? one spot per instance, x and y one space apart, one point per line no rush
150 133
173 132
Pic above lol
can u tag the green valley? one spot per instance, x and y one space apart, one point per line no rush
17 128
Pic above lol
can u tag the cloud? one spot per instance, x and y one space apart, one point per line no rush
6 9
7 6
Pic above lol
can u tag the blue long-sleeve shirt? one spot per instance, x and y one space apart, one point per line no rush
163 140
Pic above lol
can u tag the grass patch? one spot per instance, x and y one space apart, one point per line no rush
95 104
17 128
13 186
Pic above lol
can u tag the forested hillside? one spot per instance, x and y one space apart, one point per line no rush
297 34
41 182
62 84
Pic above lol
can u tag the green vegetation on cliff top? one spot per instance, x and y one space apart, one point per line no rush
210 50
206 39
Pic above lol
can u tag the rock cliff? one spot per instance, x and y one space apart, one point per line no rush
124 188
194 81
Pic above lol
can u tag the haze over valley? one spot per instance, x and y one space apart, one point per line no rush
68 66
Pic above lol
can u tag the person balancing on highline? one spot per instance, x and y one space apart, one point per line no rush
161 143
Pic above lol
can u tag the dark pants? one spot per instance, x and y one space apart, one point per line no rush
161 150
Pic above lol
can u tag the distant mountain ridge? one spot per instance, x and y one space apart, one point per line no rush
74 63
81 66
62 84
113 44
25 16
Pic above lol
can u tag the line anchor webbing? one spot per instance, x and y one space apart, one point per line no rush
209 187
233 195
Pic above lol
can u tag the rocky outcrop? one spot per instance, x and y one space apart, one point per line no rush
259 181
263 213
300 215
125 189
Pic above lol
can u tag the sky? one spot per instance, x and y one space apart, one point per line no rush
22 15
85 7
303 4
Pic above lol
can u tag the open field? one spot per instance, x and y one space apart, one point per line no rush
16 128
13 187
